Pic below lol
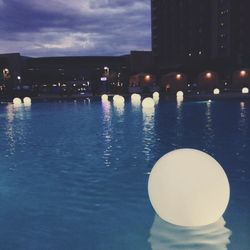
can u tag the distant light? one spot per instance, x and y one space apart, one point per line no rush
189 54
27 101
243 73
179 94
209 101
188 187
216 91
178 76
147 77
18 77
208 74
148 103
105 97
17 102
200 52
245 90
156 95
103 79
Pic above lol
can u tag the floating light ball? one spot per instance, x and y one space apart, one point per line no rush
179 94
119 100
115 97
187 187
17 101
245 90
27 101
216 91
136 97
104 98
148 103
156 95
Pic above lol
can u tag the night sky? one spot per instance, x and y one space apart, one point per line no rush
74 27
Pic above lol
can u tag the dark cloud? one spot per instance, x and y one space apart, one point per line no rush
86 27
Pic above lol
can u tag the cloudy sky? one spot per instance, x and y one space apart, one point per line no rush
74 27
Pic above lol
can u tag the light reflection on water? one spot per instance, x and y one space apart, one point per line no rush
107 132
148 131
165 236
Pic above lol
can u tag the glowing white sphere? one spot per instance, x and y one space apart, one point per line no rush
156 95
187 187
216 91
119 100
245 90
179 94
27 101
115 97
104 97
148 103
136 97
17 101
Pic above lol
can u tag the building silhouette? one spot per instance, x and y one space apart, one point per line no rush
194 35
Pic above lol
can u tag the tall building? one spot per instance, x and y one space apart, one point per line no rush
188 33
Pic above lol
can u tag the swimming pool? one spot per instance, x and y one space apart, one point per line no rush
73 175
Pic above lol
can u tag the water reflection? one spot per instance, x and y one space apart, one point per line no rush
107 132
119 108
179 122
14 130
243 118
165 236
148 131
209 134
179 101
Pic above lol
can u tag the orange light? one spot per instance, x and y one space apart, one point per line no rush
147 77
178 76
209 75
243 73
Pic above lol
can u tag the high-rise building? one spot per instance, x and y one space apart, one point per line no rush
207 32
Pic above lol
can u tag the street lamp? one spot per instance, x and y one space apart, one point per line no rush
178 76
208 75
243 73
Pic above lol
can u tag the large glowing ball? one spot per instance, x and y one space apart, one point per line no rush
148 103
187 187
27 101
104 97
17 101
179 94
245 90
216 91
156 95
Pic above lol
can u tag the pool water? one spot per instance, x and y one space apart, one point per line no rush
73 175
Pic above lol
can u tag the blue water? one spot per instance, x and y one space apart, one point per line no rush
74 175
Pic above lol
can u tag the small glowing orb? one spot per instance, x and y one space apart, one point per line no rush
136 97
27 101
17 102
119 100
188 187
104 97
179 94
156 95
115 97
245 90
148 103
216 91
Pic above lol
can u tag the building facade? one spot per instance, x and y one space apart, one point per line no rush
196 35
